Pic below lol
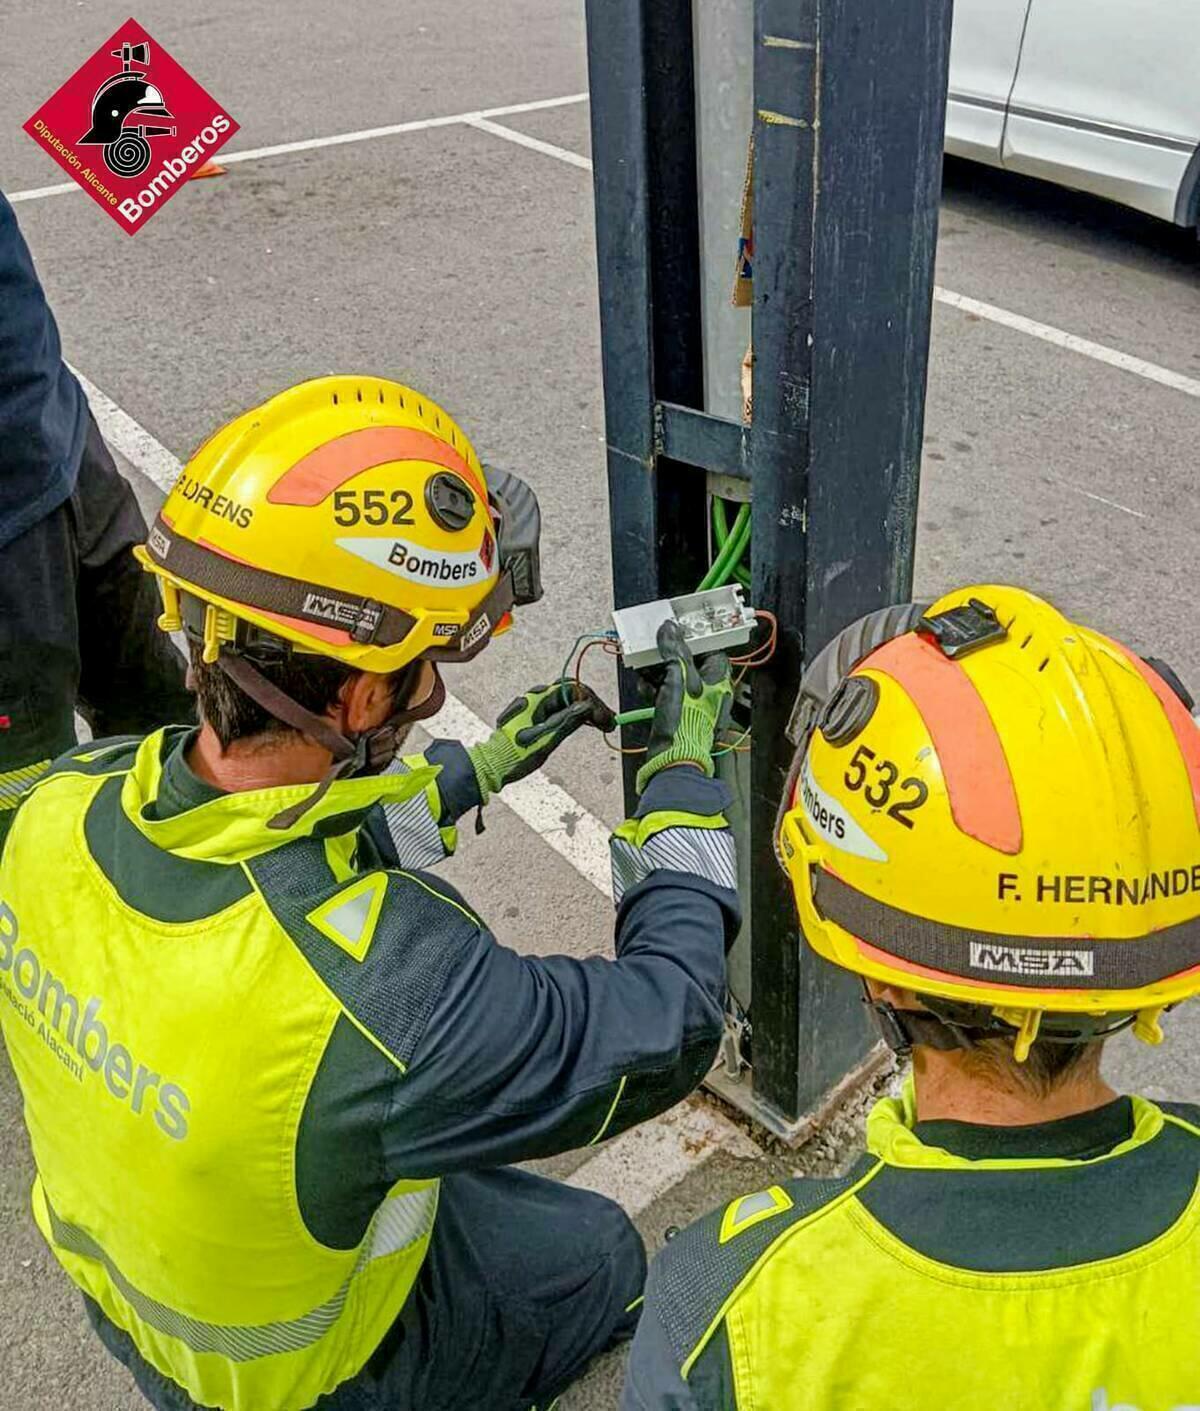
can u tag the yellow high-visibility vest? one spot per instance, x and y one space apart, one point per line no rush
817 1295
164 1067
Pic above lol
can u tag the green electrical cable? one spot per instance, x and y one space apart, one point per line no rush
729 556
721 534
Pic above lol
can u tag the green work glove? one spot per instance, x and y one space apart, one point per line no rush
693 703
531 728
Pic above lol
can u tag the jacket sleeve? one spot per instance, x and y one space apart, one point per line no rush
653 1381
42 408
681 1358
525 1057
421 831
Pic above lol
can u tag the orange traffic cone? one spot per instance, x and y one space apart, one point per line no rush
208 169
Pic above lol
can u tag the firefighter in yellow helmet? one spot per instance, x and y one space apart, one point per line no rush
272 1068
993 818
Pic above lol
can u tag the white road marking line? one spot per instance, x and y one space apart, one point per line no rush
133 441
366 134
35 193
1152 372
1113 504
559 820
535 144
641 1165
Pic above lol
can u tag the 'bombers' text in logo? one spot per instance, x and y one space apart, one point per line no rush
131 126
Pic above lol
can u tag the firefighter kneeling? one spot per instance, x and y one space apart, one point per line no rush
288 1064
1017 1235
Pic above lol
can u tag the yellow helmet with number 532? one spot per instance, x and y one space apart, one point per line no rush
999 809
349 517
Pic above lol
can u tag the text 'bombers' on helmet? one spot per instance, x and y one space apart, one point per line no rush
348 516
998 806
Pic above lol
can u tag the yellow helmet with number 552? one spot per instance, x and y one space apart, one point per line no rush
999 809
349 517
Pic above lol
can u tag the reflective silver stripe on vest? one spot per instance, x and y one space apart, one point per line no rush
413 828
17 782
399 1222
707 852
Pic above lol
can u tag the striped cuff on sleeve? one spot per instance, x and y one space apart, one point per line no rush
703 847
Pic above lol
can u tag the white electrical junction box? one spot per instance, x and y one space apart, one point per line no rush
712 621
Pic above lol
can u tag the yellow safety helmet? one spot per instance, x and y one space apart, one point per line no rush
349 517
999 809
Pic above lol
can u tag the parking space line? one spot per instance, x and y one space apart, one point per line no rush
1100 352
1104 500
558 819
535 144
1059 337
340 139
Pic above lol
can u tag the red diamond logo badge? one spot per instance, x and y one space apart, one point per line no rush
131 126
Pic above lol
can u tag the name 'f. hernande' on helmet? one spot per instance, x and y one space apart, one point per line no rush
349 517
999 809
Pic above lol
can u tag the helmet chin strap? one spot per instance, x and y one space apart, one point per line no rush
367 753
964 1026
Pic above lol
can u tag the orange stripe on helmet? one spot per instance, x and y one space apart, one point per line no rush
983 799
329 466
335 636
1187 736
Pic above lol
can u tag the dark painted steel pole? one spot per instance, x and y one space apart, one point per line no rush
849 120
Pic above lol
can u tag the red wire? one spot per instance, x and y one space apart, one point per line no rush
609 646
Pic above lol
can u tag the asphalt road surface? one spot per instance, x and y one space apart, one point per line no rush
461 261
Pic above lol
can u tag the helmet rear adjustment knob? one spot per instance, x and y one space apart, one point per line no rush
848 710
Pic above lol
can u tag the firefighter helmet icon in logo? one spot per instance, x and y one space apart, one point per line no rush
127 94
131 126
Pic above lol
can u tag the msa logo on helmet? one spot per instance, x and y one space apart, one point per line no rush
77 1036
352 616
482 627
437 568
159 544
1026 960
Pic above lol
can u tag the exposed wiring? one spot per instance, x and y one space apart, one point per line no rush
729 564
610 646
730 555
589 638
721 532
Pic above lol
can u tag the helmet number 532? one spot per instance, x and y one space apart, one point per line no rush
878 784
374 507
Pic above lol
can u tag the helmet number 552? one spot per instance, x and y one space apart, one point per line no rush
374 507
878 792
